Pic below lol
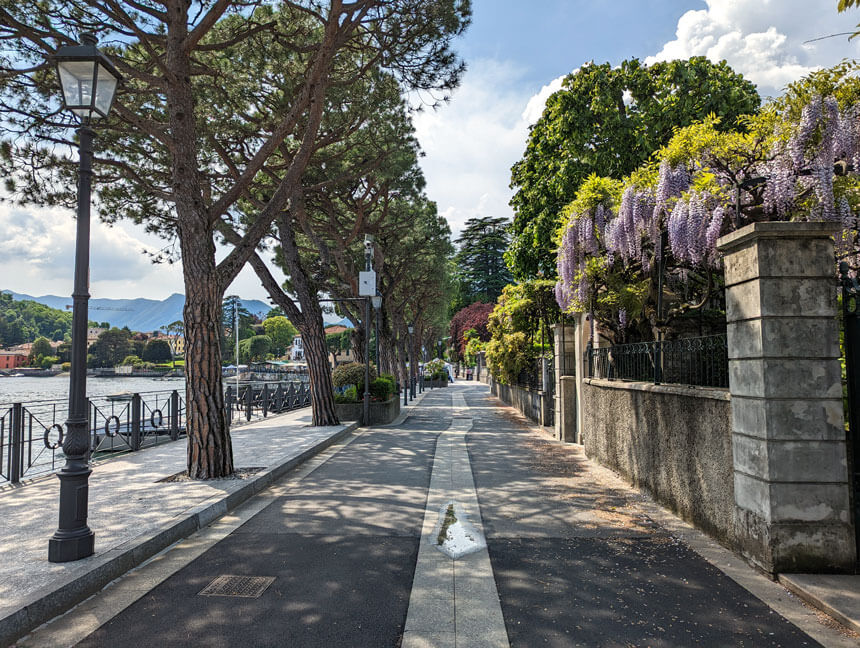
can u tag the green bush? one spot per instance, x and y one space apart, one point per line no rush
132 360
48 361
67 366
381 389
435 369
349 396
351 373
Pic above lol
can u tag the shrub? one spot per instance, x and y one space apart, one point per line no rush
436 370
349 396
67 366
132 360
381 389
351 373
48 361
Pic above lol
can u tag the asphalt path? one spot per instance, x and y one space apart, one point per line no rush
576 562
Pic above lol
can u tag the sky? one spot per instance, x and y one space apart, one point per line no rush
517 54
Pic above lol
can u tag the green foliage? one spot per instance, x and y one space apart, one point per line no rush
111 347
255 348
349 396
522 314
338 343
474 346
479 268
24 321
157 351
41 347
131 361
436 370
608 121
351 373
48 361
281 331
381 389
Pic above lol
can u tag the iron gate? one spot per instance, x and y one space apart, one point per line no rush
851 342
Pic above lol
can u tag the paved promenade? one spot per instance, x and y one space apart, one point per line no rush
461 525
133 514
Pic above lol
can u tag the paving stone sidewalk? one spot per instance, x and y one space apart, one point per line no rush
133 514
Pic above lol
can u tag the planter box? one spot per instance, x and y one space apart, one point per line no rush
435 384
381 413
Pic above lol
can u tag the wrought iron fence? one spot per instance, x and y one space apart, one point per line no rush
699 361
261 399
31 435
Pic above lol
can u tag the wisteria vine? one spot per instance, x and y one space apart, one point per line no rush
793 180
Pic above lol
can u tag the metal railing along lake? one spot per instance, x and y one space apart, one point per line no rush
699 361
31 434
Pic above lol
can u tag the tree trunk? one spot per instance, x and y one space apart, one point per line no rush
319 371
210 450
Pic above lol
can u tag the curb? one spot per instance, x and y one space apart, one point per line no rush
60 596
819 602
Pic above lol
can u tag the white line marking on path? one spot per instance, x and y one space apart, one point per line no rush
453 601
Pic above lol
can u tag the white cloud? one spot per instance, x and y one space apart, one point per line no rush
765 40
472 142
535 105
39 256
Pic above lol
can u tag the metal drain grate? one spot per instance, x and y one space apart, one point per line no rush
242 586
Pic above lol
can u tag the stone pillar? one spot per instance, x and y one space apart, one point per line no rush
792 510
565 365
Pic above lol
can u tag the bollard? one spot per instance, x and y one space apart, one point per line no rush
174 415
265 400
249 401
16 454
135 422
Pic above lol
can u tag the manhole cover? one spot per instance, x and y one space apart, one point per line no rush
243 586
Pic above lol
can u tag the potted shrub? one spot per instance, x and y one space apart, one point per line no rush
348 380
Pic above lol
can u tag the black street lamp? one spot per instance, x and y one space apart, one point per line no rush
89 82
411 329
376 300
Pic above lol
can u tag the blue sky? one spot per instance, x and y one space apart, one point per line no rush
517 52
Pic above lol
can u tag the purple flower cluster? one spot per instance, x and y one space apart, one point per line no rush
671 183
632 227
694 230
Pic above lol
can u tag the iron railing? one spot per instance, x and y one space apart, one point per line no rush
699 361
31 435
262 399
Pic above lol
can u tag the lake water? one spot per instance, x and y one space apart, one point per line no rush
56 388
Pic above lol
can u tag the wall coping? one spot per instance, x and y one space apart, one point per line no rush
714 393
775 229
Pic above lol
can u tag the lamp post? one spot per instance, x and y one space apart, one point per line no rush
376 300
89 82
367 288
411 329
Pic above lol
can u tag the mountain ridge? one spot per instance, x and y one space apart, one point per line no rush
139 314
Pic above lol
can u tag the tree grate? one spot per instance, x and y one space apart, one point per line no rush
241 586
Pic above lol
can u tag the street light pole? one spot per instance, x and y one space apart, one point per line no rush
411 343
88 80
376 300
73 539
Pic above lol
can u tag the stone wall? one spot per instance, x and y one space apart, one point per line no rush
532 403
673 442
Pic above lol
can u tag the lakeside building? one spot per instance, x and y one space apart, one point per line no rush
12 359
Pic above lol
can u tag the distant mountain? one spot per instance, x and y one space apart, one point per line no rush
137 314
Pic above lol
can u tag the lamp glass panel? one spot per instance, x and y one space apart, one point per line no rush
76 77
376 301
105 90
